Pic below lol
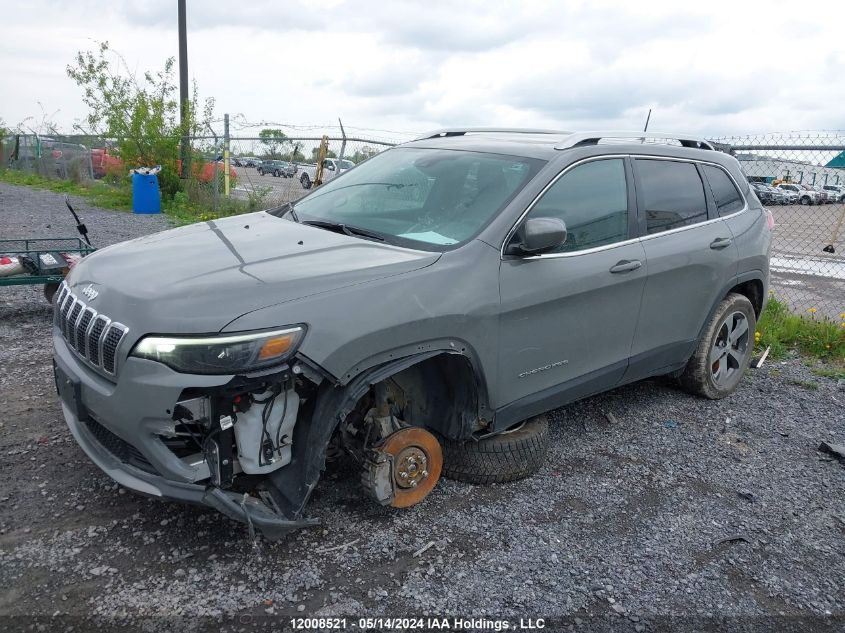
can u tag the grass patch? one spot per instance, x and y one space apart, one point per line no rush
829 372
809 385
815 336
196 204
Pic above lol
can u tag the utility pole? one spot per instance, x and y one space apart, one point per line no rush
184 99
226 155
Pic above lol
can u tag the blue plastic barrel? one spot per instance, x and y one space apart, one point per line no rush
146 197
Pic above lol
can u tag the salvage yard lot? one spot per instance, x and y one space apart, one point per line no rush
679 506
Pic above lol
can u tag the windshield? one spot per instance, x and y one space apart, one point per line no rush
422 197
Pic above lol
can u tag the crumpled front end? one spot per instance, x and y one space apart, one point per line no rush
195 438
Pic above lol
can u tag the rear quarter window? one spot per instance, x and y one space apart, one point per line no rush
728 200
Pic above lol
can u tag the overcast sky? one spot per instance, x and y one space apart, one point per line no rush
711 67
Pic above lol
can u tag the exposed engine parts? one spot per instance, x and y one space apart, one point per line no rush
246 429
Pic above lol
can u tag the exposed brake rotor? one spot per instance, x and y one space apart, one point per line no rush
417 460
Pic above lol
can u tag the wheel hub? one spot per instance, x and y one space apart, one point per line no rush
410 467
417 462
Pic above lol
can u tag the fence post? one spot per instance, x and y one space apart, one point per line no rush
226 155
342 145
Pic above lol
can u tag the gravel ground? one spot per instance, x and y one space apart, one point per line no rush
679 508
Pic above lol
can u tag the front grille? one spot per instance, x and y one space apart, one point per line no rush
121 449
94 337
110 343
100 323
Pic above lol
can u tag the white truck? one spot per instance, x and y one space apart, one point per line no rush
804 193
331 167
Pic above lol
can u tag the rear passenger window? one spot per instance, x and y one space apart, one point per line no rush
592 200
672 194
728 199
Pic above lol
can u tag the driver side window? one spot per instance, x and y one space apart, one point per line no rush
592 200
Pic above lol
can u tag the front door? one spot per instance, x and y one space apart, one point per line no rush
568 316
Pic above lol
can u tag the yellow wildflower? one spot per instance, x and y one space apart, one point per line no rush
811 310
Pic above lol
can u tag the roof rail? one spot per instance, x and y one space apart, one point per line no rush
579 139
485 130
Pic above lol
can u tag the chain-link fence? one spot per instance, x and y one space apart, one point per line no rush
800 177
52 156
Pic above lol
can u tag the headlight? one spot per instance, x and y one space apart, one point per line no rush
223 354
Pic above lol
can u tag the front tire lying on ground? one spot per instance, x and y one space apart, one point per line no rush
724 351
509 456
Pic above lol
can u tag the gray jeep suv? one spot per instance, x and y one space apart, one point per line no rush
419 312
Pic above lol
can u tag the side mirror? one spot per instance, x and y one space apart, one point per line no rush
538 235
329 166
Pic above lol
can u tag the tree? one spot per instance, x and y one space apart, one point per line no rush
295 154
274 140
141 115
315 154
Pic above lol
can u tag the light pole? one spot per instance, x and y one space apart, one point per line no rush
184 114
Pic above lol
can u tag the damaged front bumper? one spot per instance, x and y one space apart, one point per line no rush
120 425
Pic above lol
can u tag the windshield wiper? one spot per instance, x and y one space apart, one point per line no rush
290 211
282 211
340 227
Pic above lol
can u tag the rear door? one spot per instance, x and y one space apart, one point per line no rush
691 256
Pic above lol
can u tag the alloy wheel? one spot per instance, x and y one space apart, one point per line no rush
730 348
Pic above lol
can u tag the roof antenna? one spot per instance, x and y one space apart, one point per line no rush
645 128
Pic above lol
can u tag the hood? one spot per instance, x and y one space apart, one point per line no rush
200 277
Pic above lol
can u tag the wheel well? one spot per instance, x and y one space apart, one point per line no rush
440 393
753 291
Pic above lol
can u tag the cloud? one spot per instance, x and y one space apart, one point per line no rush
414 65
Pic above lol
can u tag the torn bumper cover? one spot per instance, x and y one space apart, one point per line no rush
233 505
118 426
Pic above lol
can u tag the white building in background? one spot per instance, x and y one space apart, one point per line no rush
768 168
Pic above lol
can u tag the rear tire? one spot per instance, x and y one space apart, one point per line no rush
724 351
305 181
509 456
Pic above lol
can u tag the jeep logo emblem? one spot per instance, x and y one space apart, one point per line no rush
89 292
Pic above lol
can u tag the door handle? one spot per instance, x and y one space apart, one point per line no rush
721 242
626 266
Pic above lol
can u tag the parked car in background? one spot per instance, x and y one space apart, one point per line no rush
826 198
332 167
778 196
838 192
764 192
803 193
789 196
246 161
277 168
